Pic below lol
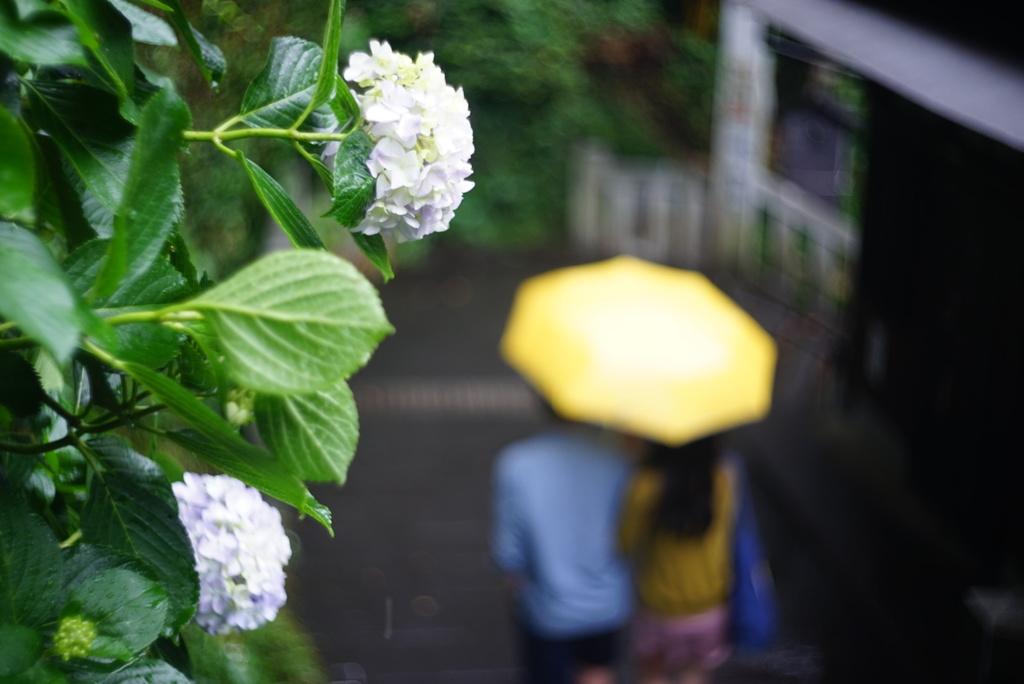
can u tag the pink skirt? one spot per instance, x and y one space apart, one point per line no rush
700 640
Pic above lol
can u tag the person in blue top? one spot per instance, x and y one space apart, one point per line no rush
556 502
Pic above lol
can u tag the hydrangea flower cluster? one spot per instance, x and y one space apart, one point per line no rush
240 548
422 142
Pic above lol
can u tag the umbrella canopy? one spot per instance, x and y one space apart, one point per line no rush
647 349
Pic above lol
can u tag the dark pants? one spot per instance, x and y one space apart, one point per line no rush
556 661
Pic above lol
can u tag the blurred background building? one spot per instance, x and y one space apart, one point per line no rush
867 167
854 171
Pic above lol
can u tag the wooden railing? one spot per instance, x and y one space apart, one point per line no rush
653 209
799 249
796 249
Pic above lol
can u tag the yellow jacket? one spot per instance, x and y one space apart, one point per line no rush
674 575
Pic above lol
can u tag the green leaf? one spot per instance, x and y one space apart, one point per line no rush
217 443
204 371
213 58
294 322
87 126
344 105
280 205
17 170
42 672
314 434
36 295
17 469
195 369
159 5
42 37
108 36
83 560
181 258
322 171
196 413
65 213
131 508
265 474
160 284
100 392
354 186
30 564
172 469
20 392
208 56
374 249
148 343
127 608
98 216
20 648
174 653
146 27
145 88
41 487
281 92
152 202
10 85
147 670
327 75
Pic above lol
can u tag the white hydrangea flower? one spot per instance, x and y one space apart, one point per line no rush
240 548
422 142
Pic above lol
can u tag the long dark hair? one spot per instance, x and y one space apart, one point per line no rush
684 508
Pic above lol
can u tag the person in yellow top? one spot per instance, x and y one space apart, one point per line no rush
677 524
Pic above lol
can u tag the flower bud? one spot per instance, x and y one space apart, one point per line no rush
74 638
238 408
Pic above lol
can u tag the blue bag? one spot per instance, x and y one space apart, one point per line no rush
752 602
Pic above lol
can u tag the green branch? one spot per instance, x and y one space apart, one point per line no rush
72 419
75 536
129 419
282 133
17 342
34 449
103 356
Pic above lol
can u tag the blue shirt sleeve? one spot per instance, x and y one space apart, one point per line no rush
508 539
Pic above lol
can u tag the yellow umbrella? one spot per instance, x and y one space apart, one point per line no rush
647 349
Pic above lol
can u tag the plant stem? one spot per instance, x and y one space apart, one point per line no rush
73 419
318 166
33 449
240 133
124 420
75 536
237 119
227 150
90 457
17 343
102 355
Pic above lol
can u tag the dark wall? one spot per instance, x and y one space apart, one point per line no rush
940 319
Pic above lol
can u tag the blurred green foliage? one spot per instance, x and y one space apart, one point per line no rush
225 222
279 651
539 76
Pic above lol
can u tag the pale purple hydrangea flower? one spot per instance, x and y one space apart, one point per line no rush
422 142
240 548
